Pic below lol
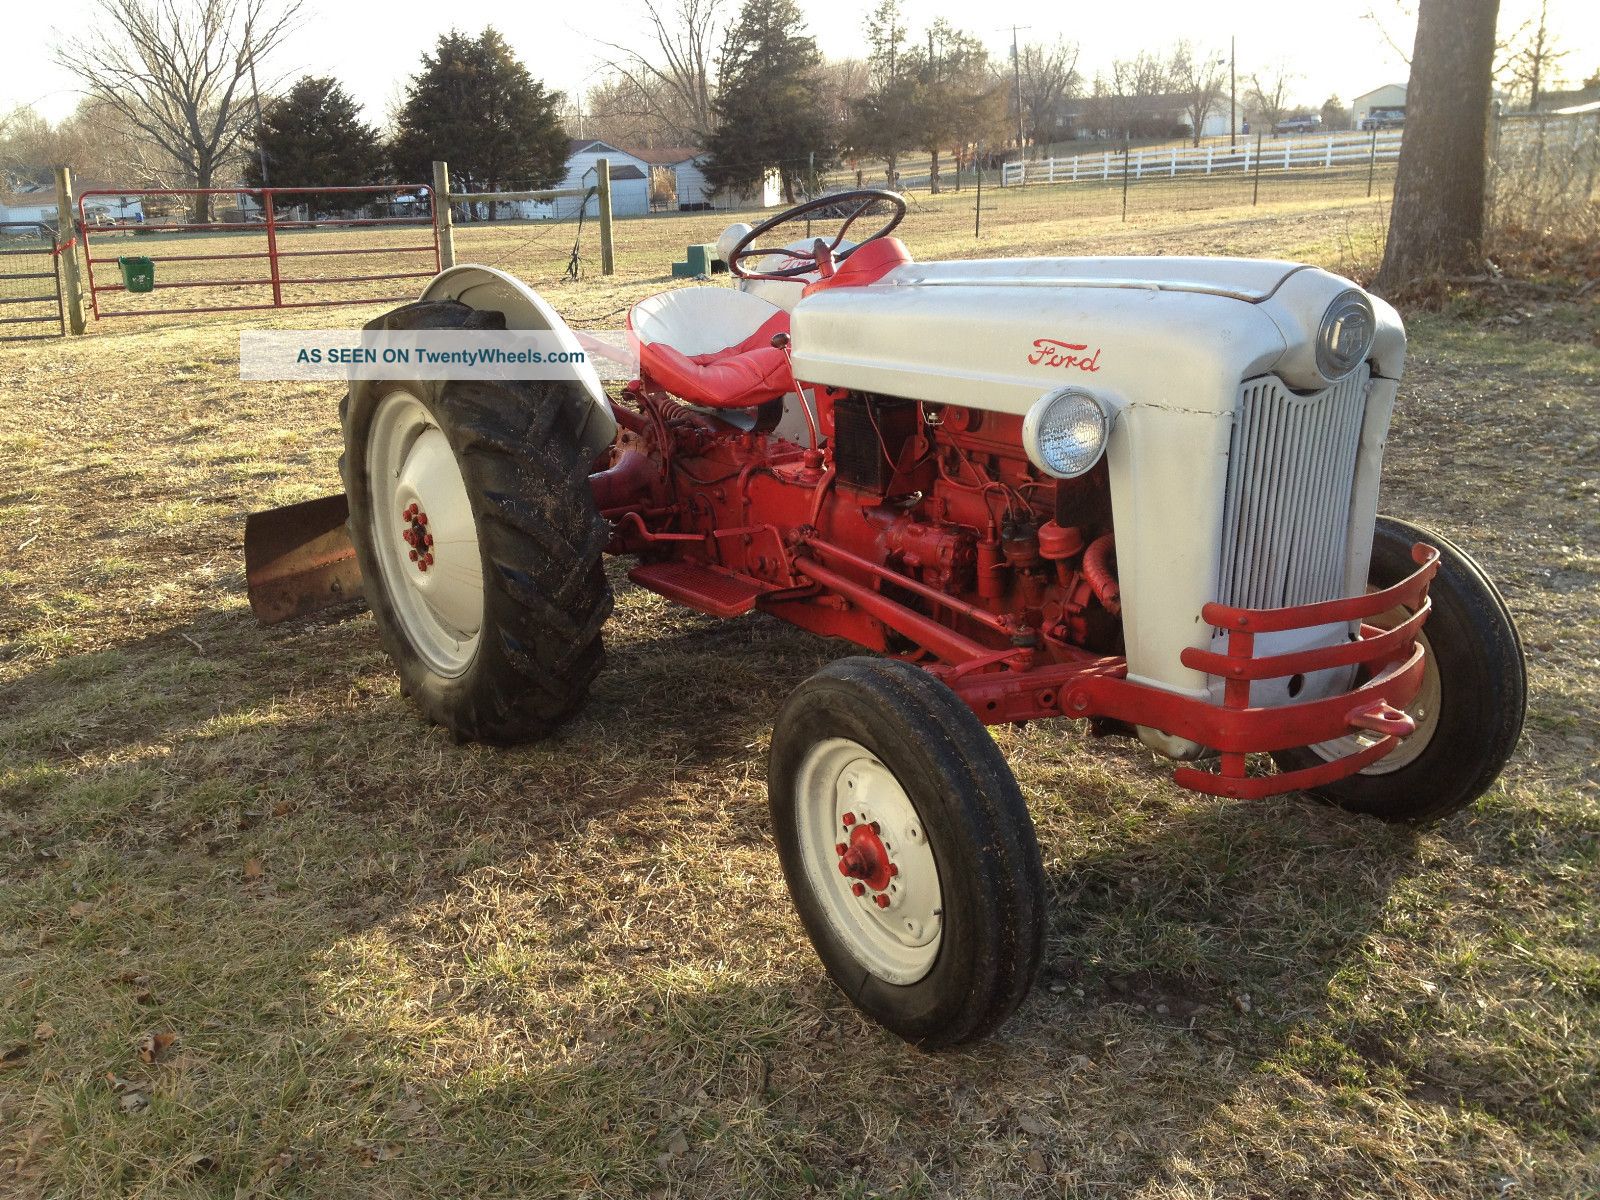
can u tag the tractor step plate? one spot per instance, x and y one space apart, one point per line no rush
709 589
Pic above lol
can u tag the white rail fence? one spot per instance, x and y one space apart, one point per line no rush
1284 154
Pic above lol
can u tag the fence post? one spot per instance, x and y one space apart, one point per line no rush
1255 195
267 209
977 161
602 172
1124 181
1372 164
444 230
67 224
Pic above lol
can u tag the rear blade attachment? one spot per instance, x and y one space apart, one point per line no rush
299 560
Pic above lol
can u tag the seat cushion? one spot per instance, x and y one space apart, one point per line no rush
712 346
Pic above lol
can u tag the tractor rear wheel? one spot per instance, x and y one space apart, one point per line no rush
908 850
478 539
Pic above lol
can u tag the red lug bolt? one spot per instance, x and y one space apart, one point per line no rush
422 565
840 849
844 868
422 518
893 870
881 900
858 889
411 511
427 539
876 828
849 819
413 556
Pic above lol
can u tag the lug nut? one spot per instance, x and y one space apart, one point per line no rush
881 900
840 849
893 870
411 511
858 889
422 565
422 518
849 819
427 539
413 556
844 868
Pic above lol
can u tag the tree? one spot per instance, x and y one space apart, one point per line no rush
1534 55
179 71
1197 77
474 105
1049 78
313 136
1269 96
1436 226
673 85
884 121
771 112
1132 89
1335 115
626 112
955 101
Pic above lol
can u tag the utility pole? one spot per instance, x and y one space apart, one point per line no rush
1016 75
1233 94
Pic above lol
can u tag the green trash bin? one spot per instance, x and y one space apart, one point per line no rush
138 274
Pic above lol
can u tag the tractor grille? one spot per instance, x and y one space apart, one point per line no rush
1290 473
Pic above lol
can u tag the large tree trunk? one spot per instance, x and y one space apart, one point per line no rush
933 173
1437 221
200 206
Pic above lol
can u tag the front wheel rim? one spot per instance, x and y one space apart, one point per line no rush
1423 709
868 861
424 534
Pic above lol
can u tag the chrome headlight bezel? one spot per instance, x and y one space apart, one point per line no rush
1345 335
1049 412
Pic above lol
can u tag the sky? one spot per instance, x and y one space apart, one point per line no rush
1330 49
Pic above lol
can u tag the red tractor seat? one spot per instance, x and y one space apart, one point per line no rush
712 346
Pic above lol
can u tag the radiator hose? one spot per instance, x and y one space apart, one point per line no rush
1097 570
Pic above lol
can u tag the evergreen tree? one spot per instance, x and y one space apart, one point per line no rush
313 136
475 106
770 109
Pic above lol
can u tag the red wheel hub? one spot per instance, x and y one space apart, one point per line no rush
864 856
415 534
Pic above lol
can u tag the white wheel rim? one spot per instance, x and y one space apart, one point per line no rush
892 918
1424 710
424 534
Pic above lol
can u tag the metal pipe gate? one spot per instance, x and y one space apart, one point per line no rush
268 225
21 288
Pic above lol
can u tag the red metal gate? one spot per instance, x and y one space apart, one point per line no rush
30 282
241 240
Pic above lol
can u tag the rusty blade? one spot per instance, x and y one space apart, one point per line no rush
299 559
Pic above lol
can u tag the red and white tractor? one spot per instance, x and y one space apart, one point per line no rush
1139 492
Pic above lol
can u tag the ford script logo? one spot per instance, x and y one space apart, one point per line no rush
1052 352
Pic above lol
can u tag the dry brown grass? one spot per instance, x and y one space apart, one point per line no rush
397 966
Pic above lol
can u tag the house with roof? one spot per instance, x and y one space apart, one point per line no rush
1389 97
630 182
36 202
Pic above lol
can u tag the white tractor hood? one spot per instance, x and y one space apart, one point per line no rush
998 334
1248 279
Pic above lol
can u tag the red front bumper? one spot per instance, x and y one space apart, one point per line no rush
1392 657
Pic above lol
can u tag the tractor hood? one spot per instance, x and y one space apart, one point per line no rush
998 334
1248 279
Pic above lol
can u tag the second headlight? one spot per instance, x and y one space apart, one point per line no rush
1065 432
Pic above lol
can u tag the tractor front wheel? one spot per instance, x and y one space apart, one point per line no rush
478 539
1470 708
908 850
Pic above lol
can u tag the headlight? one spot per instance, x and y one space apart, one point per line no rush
1346 334
1065 432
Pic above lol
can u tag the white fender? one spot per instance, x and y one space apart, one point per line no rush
490 289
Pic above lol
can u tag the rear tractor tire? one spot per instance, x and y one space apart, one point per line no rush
478 539
908 849
1470 708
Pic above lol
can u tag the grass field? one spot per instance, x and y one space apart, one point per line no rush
263 933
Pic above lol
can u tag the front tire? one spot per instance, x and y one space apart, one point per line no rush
478 539
908 849
1469 711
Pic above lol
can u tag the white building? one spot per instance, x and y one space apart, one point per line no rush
39 204
679 171
1390 95
630 182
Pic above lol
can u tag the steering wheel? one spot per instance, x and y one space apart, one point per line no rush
824 255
